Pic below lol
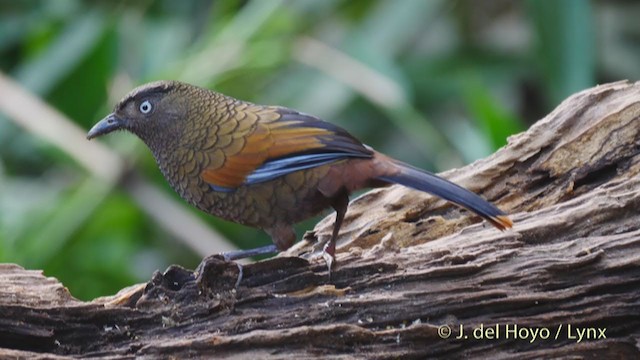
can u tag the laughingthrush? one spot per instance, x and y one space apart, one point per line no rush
267 167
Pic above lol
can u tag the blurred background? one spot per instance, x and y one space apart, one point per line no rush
435 83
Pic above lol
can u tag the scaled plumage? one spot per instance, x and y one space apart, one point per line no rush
264 166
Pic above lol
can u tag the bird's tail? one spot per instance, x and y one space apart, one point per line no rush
418 179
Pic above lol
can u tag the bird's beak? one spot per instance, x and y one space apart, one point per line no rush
105 126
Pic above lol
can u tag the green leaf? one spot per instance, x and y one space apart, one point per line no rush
496 122
565 49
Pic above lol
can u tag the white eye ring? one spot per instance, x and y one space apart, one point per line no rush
145 107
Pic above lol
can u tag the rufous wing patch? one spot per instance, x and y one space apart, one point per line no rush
265 142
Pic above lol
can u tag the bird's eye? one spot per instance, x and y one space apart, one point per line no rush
145 107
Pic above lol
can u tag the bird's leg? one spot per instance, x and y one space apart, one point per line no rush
283 237
340 202
238 254
242 254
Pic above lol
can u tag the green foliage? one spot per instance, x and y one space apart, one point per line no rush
565 52
435 83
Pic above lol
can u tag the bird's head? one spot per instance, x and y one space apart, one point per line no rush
149 111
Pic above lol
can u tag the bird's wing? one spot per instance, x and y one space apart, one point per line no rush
280 142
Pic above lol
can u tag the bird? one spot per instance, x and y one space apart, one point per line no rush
267 167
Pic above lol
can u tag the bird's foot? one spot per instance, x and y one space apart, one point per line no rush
242 254
213 261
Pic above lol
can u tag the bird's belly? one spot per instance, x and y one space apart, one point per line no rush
285 200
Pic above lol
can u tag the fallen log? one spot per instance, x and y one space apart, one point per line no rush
415 276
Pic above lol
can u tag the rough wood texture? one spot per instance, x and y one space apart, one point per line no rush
407 265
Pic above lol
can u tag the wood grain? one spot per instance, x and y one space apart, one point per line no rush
408 264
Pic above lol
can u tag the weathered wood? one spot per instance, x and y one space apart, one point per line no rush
407 266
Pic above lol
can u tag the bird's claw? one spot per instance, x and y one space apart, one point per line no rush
329 255
240 275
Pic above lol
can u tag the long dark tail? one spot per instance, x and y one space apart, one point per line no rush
425 181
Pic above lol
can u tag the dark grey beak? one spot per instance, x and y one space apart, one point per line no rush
105 126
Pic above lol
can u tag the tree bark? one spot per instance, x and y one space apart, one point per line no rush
416 277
